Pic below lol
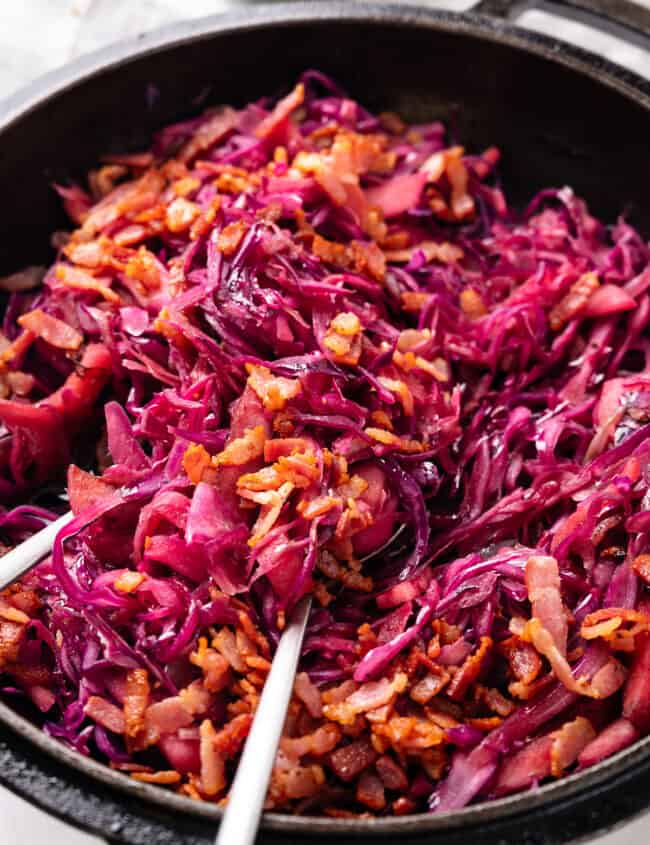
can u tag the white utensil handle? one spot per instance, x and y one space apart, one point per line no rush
21 559
248 791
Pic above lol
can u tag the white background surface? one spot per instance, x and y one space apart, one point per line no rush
38 35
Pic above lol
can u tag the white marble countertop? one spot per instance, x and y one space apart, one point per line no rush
67 28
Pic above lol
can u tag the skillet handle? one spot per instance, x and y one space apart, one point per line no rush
609 15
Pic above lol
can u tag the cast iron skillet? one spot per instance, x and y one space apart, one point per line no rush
562 116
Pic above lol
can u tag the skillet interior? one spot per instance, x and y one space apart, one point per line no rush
556 121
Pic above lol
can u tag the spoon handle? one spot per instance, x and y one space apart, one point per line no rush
248 791
26 555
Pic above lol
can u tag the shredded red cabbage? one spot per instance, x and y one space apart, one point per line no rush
297 347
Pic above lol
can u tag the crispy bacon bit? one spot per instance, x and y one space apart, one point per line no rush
370 696
145 267
241 450
51 330
274 391
522 658
128 581
73 277
105 714
445 253
574 301
438 368
604 683
568 742
387 438
350 760
161 778
308 694
450 163
471 304
136 700
429 686
392 775
408 733
494 700
641 565
213 777
608 623
12 634
469 671
215 667
343 339
231 236
196 460
270 125
401 390
180 214
543 585
370 791
212 129
317 744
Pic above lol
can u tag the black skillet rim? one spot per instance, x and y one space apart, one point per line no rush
20 769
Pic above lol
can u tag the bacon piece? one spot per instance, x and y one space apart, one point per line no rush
136 700
636 696
231 236
370 791
161 778
281 113
12 634
445 253
78 279
397 195
369 696
543 585
178 711
605 682
215 667
226 644
213 129
243 449
449 162
641 565
410 733
392 775
106 714
213 769
350 760
50 329
613 738
180 214
308 694
470 670
524 661
568 742
128 581
574 302
274 391
320 742
471 304
429 686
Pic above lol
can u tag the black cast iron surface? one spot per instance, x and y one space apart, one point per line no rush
561 115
